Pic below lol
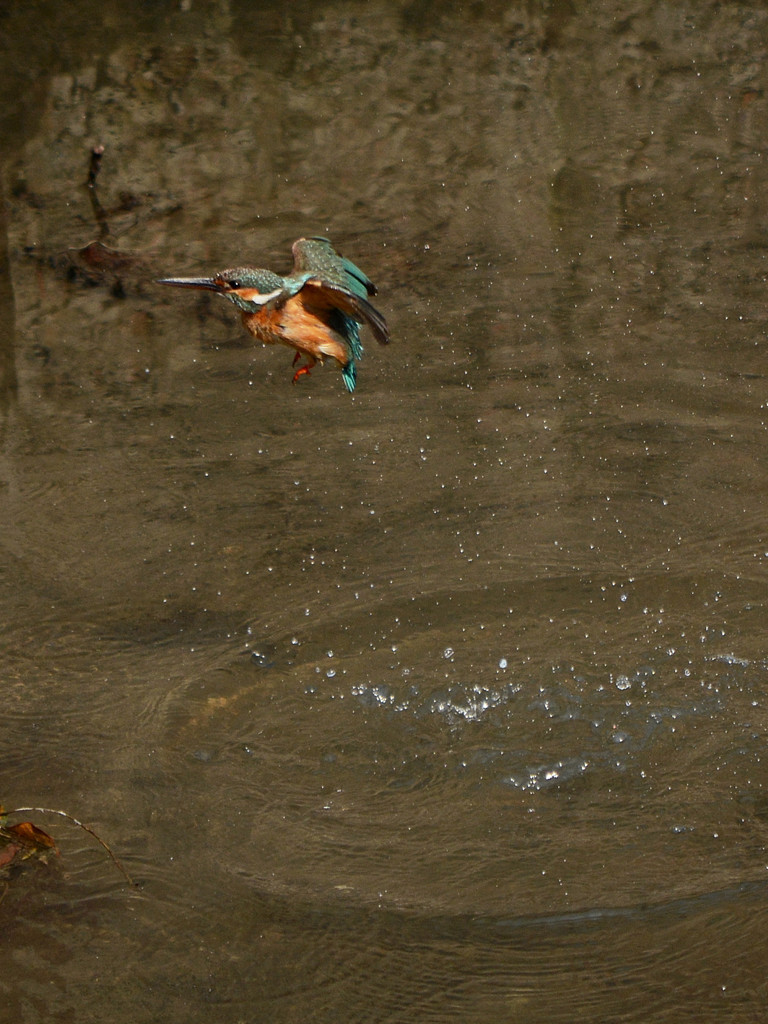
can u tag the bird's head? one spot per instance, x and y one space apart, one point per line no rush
248 287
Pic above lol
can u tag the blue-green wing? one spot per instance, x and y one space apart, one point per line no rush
337 282
318 257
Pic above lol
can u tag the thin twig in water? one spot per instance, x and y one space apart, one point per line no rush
50 810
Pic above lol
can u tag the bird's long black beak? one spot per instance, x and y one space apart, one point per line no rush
208 283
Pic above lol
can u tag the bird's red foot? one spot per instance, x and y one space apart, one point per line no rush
301 371
310 362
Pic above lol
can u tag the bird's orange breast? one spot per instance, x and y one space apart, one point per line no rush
301 326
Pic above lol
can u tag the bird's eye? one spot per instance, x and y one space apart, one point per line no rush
233 283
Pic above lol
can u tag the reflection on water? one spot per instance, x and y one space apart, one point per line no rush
395 704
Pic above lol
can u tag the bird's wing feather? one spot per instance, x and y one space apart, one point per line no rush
317 256
334 296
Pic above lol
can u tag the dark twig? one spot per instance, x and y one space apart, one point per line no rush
95 166
93 172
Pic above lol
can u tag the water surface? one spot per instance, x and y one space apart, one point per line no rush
445 700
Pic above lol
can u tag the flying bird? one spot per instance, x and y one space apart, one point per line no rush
317 309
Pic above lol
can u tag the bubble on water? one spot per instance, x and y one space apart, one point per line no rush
502 662
373 696
542 776
732 659
448 653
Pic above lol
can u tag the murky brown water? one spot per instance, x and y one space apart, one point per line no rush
445 701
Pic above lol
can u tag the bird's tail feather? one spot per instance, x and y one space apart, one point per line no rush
349 372
349 375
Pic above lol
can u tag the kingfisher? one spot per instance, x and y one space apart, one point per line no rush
317 309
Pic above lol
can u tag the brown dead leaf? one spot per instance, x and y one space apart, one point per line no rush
31 836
